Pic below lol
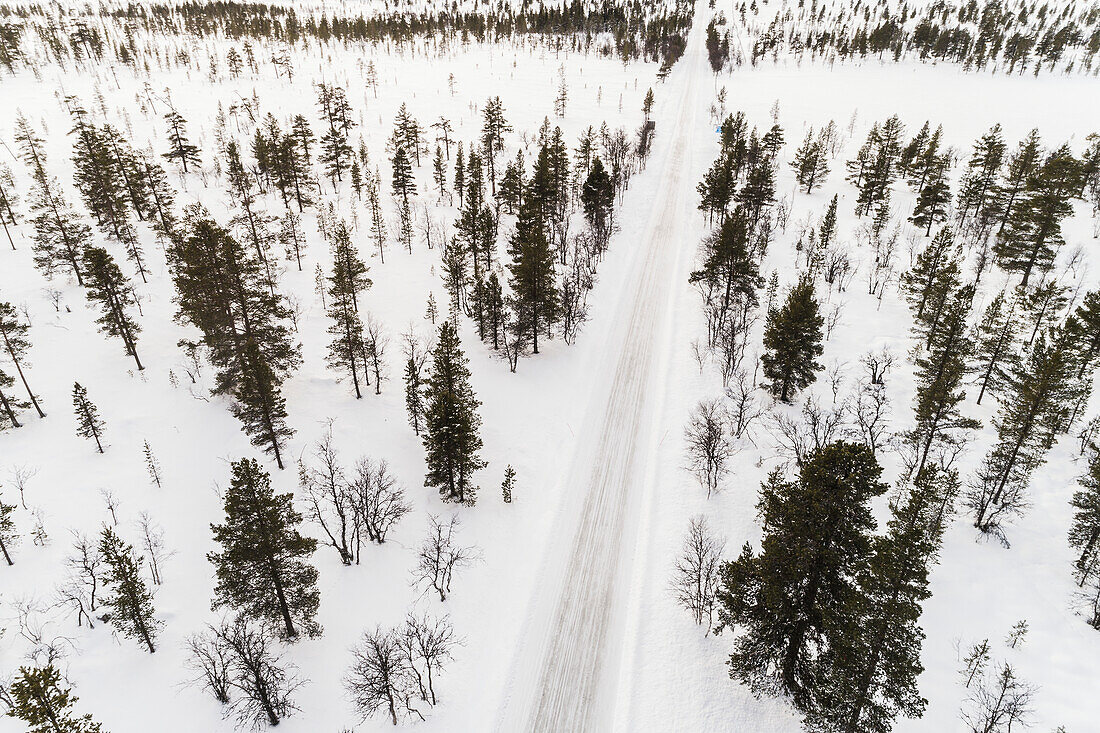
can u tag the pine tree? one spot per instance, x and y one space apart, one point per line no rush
1019 170
979 183
931 281
934 197
994 343
598 202
1035 409
792 340
439 172
89 425
59 235
870 671
492 136
793 598
451 422
940 428
377 223
810 164
262 568
223 291
533 281
108 287
1084 533
152 465
39 700
1034 227
348 279
508 485
128 598
13 338
7 531
180 148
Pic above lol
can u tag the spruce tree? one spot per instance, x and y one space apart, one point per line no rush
533 281
1019 170
598 202
128 598
792 342
107 287
404 185
88 423
39 700
451 421
793 599
262 567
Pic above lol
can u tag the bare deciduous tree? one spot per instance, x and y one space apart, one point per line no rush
998 704
709 444
379 500
426 644
695 581
439 557
379 676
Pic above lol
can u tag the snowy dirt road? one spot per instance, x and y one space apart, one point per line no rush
573 654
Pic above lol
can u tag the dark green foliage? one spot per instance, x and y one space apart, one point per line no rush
940 430
262 568
451 421
13 347
792 342
347 352
1033 230
223 291
1084 532
88 423
533 282
39 700
8 535
978 187
793 598
811 163
598 202
180 148
59 235
994 341
934 196
108 288
127 596
869 672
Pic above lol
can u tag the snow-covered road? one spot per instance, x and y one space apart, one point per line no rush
572 688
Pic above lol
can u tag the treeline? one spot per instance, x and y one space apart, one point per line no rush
626 30
1011 37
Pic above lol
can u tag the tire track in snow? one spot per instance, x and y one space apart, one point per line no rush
578 653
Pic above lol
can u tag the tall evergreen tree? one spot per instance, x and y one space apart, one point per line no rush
1084 532
180 149
223 291
13 339
870 672
792 342
793 598
39 700
451 421
88 422
263 566
994 341
108 287
811 162
979 183
533 281
59 235
348 279
128 598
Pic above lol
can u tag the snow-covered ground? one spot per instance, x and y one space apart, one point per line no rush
594 430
